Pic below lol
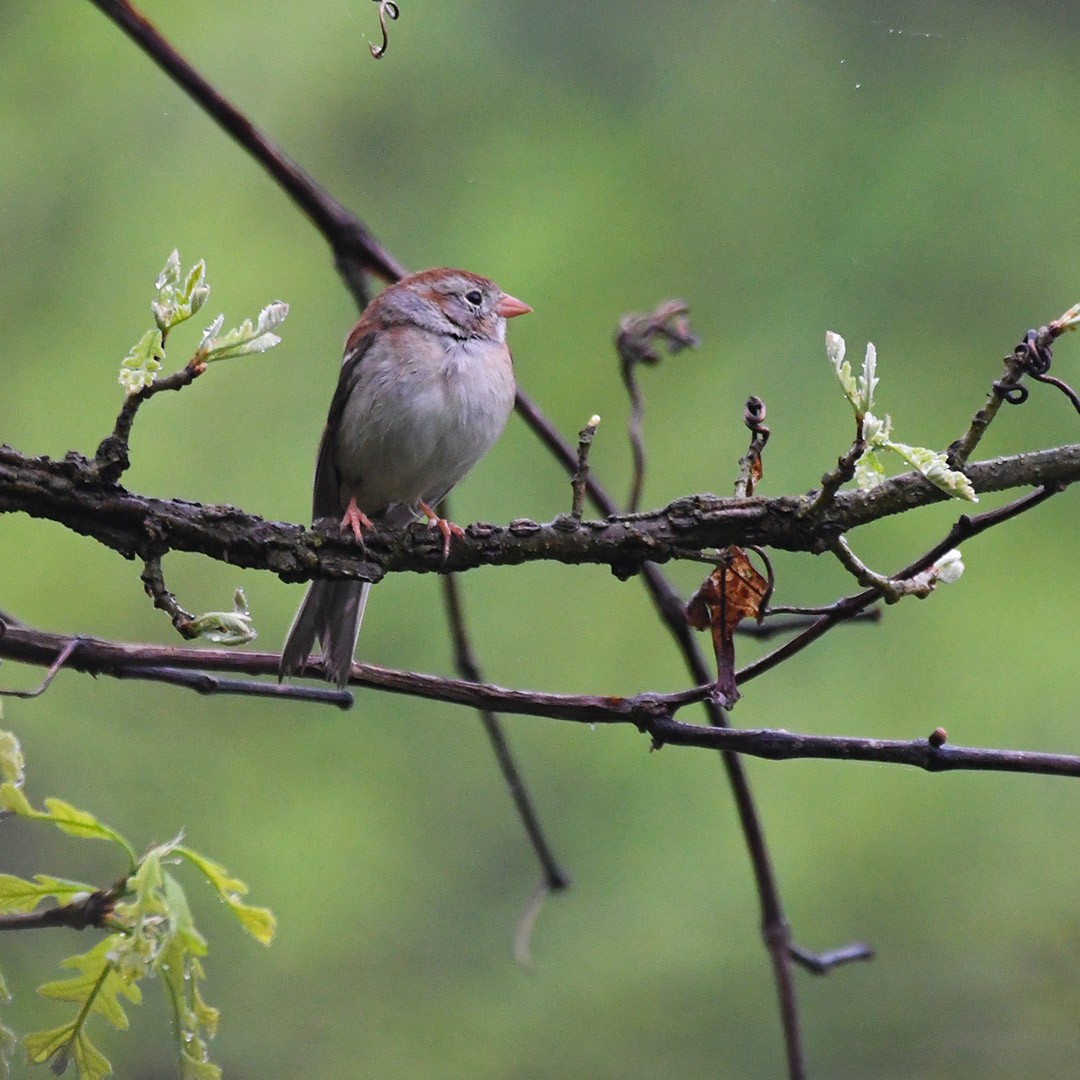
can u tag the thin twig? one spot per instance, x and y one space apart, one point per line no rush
111 460
159 664
1032 356
824 962
92 910
750 466
652 714
832 481
62 658
387 10
579 481
849 606
889 589
154 583
636 343
784 619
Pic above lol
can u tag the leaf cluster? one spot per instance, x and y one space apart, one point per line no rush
179 297
150 933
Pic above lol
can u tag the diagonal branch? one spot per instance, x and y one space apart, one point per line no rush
355 249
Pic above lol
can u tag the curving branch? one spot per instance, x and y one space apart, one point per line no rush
652 714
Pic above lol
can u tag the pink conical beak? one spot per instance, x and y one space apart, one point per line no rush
509 306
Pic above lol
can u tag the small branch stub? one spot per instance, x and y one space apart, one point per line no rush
580 480
750 466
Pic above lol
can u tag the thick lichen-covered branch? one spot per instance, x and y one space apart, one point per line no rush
70 492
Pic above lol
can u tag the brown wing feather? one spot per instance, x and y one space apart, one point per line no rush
326 494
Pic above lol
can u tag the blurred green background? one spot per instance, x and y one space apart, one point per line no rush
905 173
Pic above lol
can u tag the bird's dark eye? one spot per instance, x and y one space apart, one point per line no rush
475 297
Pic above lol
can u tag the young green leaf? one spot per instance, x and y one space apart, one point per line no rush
227 627
14 801
19 895
64 816
195 1020
140 367
935 467
869 471
860 392
82 823
98 985
260 923
12 763
1070 320
877 433
96 989
245 338
169 277
174 302
65 1044
145 916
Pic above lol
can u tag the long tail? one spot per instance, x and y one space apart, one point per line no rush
332 612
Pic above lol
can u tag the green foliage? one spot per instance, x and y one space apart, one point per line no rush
173 305
860 391
8 1039
140 367
151 933
869 470
11 758
19 895
179 296
227 627
245 338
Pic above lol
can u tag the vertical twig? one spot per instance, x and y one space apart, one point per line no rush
635 342
579 481
750 463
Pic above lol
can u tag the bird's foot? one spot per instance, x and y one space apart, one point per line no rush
447 528
357 520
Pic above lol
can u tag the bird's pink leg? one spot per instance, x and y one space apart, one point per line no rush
356 519
447 528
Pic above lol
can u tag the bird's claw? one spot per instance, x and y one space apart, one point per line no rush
447 528
357 520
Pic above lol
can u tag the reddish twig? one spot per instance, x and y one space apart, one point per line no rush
652 714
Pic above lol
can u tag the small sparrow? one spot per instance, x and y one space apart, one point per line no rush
426 387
